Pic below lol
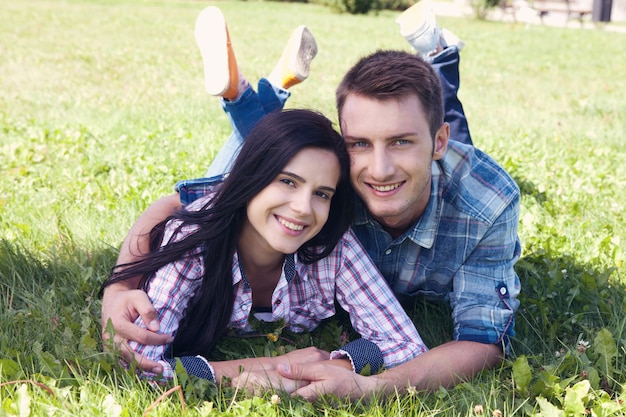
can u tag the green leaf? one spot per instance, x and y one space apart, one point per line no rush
8 369
548 409
605 347
606 407
575 398
522 374
547 385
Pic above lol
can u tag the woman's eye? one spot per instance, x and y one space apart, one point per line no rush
322 194
288 182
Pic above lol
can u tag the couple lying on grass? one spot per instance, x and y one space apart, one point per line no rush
305 218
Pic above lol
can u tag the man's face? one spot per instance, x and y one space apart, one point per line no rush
391 152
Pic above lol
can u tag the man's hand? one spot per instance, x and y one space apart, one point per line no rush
317 379
122 302
122 306
428 371
306 355
258 382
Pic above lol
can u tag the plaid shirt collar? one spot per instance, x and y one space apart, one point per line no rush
425 228
290 268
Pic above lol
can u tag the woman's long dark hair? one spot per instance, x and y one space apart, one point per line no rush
275 140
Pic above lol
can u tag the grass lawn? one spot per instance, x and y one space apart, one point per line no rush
102 110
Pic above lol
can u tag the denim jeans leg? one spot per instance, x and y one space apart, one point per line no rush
272 98
244 113
446 64
225 158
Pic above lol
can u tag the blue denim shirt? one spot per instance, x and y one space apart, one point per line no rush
462 249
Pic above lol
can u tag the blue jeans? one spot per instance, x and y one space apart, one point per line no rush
446 65
244 113
250 107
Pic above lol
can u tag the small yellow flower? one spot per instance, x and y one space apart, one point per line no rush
272 337
411 390
496 413
478 409
275 399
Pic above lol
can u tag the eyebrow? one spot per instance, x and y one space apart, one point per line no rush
392 137
299 178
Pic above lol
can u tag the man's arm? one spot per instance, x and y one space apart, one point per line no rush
120 304
444 365
137 242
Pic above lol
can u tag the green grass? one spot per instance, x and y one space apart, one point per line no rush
102 109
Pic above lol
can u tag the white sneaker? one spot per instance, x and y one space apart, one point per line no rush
220 65
418 25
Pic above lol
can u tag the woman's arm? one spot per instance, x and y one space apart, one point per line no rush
374 311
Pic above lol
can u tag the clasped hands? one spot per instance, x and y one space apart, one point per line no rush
122 307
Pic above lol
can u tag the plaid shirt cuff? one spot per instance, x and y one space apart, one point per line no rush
362 353
194 365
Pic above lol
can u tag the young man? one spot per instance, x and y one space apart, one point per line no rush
438 217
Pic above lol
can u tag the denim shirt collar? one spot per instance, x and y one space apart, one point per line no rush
425 228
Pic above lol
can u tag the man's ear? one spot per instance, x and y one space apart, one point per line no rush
441 141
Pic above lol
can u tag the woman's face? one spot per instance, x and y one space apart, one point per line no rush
294 207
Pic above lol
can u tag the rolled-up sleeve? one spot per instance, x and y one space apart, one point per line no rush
486 286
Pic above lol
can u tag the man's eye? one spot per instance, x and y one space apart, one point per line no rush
359 144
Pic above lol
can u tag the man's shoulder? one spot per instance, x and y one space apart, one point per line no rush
474 183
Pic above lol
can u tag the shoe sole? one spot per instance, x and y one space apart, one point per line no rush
418 25
211 36
452 40
302 52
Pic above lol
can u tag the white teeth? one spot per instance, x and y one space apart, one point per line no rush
292 226
386 187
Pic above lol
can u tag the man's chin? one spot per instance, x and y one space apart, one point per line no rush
388 215
382 213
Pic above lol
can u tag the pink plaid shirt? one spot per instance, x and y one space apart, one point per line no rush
304 296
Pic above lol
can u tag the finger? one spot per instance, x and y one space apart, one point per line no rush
146 311
296 371
310 392
249 382
130 331
291 385
130 356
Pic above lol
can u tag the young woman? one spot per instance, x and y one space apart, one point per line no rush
273 236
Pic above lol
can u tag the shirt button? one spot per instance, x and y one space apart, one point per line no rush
388 251
503 290
277 302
